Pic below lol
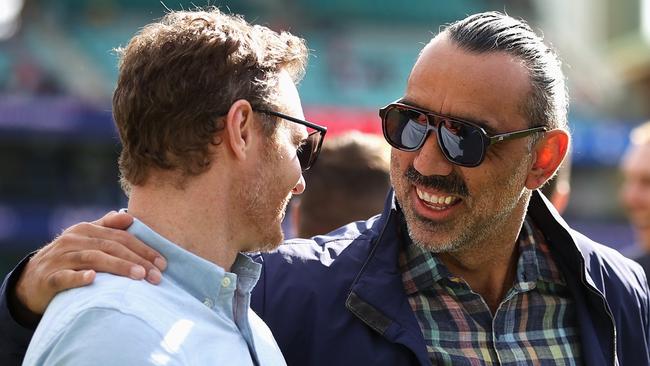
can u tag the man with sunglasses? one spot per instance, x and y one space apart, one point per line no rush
212 150
468 264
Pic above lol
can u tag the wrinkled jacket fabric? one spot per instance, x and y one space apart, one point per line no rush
338 299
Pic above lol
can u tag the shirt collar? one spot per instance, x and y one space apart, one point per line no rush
201 278
536 263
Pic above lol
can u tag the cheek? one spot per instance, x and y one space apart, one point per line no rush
627 195
480 180
401 160
496 181
645 195
634 193
397 168
291 170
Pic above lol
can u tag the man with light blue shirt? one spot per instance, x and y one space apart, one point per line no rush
213 147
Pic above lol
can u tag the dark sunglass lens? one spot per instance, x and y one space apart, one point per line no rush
304 154
309 150
405 128
461 143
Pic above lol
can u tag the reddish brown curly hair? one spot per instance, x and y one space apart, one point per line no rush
179 75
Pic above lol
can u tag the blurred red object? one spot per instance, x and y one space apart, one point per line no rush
339 120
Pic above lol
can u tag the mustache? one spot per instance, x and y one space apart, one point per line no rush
451 183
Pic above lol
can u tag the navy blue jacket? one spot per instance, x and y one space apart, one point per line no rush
338 299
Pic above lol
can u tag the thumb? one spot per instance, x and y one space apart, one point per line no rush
115 220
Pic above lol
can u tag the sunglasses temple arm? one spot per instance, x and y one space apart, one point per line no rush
514 135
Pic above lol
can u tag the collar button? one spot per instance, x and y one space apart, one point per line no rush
208 302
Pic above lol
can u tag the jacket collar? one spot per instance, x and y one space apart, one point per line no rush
377 294
572 251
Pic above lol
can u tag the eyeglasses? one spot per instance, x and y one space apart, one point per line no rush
463 143
309 147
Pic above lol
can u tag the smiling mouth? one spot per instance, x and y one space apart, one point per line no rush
437 202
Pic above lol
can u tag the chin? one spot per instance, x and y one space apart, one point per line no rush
441 246
270 241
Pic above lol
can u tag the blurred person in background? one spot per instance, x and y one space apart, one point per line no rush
635 191
467 264
209 161
558 188
349 183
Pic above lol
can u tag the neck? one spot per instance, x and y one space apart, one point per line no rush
490 276
192 218
490 266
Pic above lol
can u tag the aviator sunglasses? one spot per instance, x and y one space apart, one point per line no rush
309 147
463 143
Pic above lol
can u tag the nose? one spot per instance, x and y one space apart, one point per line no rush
300 186
430 160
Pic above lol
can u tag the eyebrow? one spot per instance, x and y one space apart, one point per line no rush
298 139
297 136
479 122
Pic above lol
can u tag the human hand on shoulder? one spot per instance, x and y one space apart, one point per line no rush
73 259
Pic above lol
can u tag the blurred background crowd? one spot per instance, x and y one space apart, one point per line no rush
58 146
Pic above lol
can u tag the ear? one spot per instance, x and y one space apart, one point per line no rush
239 129
548 154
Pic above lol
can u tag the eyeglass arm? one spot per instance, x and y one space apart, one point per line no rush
515 134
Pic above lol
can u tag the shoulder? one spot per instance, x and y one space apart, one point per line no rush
644 261
349 242
100 336
353 238
313 273
110 292
301 267
607 266
113 306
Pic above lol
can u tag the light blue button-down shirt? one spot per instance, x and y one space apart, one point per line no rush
198 315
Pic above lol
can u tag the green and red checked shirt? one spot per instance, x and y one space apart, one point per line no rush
535 324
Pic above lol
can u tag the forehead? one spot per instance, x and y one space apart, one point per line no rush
289 103
636 160
487 88
288 96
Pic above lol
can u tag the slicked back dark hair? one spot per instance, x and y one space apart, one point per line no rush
496 32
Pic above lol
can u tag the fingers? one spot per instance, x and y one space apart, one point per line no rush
112 258
73 259
67 279
36 286
115 220
129 248
104 238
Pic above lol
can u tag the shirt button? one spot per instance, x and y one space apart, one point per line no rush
208 302
225 282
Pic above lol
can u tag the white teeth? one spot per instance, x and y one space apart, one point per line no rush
426 196
433 199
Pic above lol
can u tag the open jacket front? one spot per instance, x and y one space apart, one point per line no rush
338 299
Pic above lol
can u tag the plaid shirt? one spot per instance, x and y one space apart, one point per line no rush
535 323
